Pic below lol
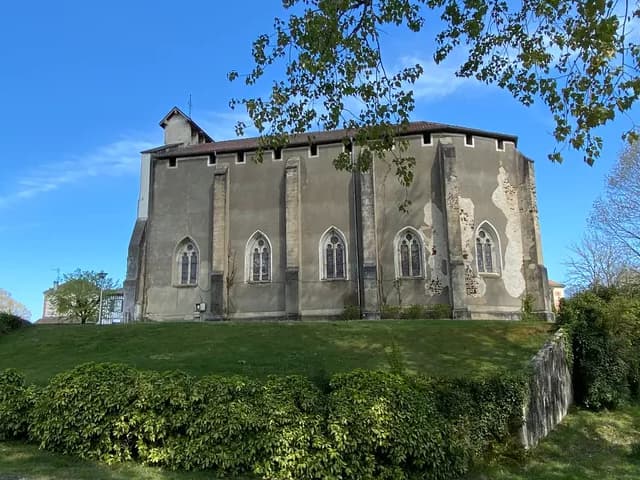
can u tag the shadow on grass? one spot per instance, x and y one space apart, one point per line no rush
587 446
22 461
434 347
446 348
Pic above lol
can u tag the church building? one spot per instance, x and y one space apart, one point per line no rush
221 236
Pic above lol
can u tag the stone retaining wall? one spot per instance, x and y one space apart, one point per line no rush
551 391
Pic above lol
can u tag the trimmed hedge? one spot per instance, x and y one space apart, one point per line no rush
367 425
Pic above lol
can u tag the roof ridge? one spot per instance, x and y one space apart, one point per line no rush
321 137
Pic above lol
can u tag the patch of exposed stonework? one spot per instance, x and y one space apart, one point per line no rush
467 225
475 285
433 287
435 250
505 198
471 283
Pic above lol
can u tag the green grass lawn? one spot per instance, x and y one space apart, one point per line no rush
586 446
20 461
257 349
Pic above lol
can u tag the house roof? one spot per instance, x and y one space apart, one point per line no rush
319 138
554 284
161 148
194 125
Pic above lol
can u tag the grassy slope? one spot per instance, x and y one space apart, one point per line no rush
586 446
455 348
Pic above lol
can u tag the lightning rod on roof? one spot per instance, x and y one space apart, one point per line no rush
189 104
56 282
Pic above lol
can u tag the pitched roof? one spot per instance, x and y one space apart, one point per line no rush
319 138
554 284
161 148
194 125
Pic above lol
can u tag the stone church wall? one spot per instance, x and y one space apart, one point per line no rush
424 215
182 195
215 196
326 200
254 204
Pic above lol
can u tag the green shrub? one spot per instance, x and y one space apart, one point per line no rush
86 412
294 443
223 426
412 312
605 329
274 429
486 411
160 415
367 425
381 427
351 312
10 322
526 309
635 451
390 311
16 401
437 311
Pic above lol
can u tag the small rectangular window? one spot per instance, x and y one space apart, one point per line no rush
468 140
173 163
212 159
313 150
426 138
240 157
500 145
277 154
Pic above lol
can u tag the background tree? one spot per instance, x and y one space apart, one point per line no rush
609 253
595 262
575 56
9 305
617 212
78 296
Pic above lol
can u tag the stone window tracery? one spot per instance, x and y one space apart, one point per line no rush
258 258
409 254
487 250
187 259
333 249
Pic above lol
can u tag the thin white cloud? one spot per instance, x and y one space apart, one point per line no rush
221 125
437 81
121 157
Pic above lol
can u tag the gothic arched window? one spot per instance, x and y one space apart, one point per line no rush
187 261
409 254
333 255
258 258
487 249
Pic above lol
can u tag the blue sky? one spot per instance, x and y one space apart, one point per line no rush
84 85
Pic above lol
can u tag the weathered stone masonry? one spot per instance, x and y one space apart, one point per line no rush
550 390
470 238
